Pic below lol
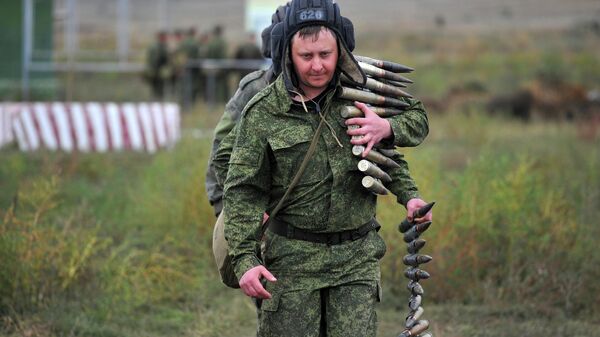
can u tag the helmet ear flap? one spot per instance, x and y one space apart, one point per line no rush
277 44
348 33
265 47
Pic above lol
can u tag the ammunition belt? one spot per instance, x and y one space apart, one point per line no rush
335 238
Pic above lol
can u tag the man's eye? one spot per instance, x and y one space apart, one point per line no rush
306 57
325 54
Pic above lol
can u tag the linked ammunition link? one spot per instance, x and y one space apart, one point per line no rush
414 326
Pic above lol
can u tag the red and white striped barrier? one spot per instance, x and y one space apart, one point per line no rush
96 127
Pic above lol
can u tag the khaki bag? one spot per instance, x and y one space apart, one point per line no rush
221 254
220 247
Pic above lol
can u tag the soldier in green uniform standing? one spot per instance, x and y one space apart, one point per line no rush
217 49
190 50
248 50
322 253
157 62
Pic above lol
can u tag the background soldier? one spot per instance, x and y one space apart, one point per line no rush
217 49
189 49
157 62
321 245
248 51
176 61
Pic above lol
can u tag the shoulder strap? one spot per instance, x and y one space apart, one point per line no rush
309 153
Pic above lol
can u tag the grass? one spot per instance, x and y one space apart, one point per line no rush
117 244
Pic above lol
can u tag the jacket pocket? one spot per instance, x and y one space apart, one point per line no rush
289 146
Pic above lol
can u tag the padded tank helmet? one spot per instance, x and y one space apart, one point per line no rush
276 18
303 13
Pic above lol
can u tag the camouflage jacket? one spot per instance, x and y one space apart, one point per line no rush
249 86
409 129
271 140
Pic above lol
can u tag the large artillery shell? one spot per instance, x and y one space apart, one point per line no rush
374 185
413 317
394 83
416 245
415 288
371 98
405 225
387 65
352 111
423 210
419 213
386 89
421 326
354 127
416 274
415 260
374 156
372 170
380 87
414 232
389 152
380 73
415 302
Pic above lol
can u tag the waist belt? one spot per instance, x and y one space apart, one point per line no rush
335 238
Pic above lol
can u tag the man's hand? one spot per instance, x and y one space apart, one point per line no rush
414 204
250 282
372 128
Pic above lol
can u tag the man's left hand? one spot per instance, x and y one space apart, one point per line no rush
372 128
412 206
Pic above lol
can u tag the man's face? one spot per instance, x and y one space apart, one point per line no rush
314 61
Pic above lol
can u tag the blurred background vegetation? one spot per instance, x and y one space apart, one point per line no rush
119 244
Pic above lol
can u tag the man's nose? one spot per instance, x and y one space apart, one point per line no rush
316 64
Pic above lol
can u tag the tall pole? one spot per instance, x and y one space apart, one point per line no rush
71 45
70 39
28 13
123 30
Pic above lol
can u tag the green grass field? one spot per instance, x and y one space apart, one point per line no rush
119 244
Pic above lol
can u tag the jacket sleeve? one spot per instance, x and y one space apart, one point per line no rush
402 186
214 187
246 195
248 87
411 127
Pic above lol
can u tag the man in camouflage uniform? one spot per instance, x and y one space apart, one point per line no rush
326 255
409 129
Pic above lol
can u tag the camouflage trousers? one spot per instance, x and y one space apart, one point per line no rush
346 310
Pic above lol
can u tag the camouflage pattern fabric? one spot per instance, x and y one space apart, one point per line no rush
409 129
346 310
271 141
249 86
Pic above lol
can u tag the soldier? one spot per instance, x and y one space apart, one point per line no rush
177 61
248 51
250 85
321 245
217 49
157 61
189 49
